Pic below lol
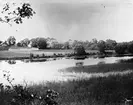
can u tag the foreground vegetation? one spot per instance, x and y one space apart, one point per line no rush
111 90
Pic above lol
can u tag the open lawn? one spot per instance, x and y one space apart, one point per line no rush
26 52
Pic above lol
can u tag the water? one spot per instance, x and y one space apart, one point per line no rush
46 71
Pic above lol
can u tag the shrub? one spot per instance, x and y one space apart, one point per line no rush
22 95
43 55
37 55
79 50
31 55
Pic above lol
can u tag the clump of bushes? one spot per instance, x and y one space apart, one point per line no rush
79 50
37 56
43 55
22 95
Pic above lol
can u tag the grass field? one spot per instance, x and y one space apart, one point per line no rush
26 52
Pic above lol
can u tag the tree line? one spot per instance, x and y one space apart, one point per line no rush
52 43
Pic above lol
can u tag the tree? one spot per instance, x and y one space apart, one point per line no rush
34 42
11 41
110 44
24 43
101 46
94 41
121 48
66 45
42 43
19 44
79 50
130 47
13 13
0 42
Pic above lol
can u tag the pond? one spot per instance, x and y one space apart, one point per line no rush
46 71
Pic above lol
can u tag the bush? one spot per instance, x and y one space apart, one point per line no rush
43 55
121 48
31 55
79 50
22 95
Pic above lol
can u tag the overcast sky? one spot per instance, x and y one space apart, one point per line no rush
76 19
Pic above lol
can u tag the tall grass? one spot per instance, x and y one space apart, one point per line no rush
109 90
101 68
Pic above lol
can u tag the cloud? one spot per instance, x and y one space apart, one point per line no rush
80 19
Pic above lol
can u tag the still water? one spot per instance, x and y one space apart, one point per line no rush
46 71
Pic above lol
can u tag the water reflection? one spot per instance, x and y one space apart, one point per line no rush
47 71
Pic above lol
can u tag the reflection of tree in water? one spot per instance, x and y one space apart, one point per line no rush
11 61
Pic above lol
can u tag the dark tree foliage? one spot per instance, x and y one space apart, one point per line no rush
11 41
0 42
79 50
17 14
110 44
130 47
19 44
34 42
42 43
121 48
101 46
24 43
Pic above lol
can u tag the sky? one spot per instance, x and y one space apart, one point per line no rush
76 20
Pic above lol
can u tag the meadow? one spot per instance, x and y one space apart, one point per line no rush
24 53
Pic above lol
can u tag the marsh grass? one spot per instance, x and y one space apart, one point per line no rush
100 68
107 90
110 90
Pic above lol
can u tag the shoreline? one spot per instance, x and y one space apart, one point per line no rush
67 57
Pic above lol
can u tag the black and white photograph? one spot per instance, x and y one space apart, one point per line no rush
66 52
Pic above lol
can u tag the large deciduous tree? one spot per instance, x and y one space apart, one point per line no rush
110 44
11 41
24 43
42 43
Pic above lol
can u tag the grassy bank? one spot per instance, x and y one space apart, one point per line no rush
111 90
101 68
96 91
